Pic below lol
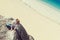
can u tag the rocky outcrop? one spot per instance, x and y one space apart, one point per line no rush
3 28
6 34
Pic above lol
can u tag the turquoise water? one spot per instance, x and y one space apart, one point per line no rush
54 3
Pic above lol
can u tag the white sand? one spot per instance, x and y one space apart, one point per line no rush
36 25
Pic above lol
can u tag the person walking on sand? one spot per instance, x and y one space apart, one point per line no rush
21 33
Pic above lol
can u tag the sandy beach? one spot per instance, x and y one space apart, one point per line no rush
35 24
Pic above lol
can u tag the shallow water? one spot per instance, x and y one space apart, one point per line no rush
54 3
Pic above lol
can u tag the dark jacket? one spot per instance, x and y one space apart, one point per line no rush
21 33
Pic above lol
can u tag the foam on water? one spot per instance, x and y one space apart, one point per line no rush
54 3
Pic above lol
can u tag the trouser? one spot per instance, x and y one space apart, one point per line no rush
18 35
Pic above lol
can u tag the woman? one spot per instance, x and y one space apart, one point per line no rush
21 33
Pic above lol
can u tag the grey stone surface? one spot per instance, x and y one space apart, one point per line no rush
4 32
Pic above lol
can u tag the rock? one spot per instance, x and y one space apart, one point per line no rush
3 28
6 34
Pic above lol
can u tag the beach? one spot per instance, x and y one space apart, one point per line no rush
35 24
